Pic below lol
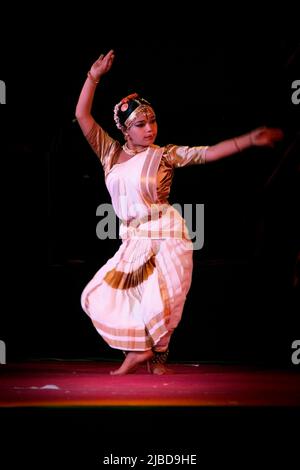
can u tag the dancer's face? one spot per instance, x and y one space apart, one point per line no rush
143 130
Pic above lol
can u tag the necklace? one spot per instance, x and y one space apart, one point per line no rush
131 152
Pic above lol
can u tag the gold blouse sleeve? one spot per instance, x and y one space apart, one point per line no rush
179 156
104 146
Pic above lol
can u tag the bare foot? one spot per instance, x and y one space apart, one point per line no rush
132 359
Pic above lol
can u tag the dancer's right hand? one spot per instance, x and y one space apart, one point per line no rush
102 65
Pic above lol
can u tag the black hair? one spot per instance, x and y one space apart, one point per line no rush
133 103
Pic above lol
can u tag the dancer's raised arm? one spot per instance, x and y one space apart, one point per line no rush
85 101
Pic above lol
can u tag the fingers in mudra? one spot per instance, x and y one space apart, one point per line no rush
272 136
277 134
267 136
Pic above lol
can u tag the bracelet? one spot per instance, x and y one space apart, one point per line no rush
93 79
237 145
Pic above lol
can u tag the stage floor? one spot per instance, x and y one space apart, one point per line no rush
74 414
61 383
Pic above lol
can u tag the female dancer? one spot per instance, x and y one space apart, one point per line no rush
136 299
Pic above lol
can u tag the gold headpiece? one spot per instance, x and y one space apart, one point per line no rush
144 109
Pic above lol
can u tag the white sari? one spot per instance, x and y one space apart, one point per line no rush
136 299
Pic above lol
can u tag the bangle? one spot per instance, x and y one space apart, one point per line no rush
237 145
93 79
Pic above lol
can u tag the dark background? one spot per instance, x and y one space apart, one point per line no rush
209 77
205 88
